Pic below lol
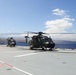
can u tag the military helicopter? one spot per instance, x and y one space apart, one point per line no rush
41 41
11 42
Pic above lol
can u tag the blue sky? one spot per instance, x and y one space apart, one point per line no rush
18 16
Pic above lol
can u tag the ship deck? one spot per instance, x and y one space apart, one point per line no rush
20 60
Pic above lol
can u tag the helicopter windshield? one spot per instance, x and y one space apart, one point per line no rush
47 39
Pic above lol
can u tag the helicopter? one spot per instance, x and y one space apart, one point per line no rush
41 41
61 40
11 42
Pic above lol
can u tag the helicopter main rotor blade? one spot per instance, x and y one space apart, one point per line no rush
32 33
62 33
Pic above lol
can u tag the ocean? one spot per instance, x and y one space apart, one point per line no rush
68 46
57 45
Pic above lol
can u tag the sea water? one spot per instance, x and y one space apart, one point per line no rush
57 45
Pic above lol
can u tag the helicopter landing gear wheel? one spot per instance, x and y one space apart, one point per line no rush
43 48
50 49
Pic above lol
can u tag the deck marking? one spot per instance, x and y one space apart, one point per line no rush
22 71
8 65
26 54
3 63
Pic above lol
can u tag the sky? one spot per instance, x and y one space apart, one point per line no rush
51 16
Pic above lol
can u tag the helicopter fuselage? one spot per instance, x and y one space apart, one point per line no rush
41 42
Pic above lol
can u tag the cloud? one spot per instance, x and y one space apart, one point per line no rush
59 25
60 12
66 37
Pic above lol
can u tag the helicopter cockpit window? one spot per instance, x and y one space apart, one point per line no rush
45 38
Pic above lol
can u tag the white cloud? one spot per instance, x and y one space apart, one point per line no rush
59 25
60 12
67 37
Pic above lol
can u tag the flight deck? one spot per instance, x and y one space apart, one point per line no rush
20 60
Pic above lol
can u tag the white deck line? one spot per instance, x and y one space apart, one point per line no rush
1 62
22 71
26 55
